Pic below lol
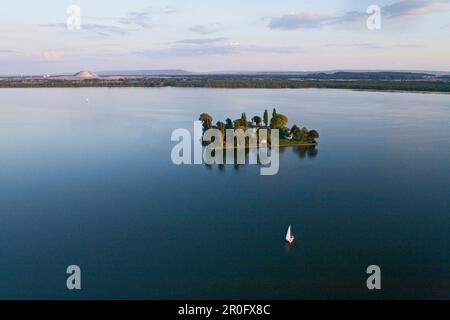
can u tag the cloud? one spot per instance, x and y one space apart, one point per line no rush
216 46
206 28
263 49
54 25
202 40
137 18
133 21
51 55
189 51
7 51
98 29
371 45
169 10
412 8
105 30
307 20
297 21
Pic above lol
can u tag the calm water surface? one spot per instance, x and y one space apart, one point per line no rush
86 178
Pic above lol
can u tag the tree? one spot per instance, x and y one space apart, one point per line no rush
284 132
204 117
228 124
257 120
313 135
244 120
266 117
304 135
221 126
296 132
206 120
274 112
208 125
278 121
237 124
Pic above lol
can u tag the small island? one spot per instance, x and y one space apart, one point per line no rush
288 137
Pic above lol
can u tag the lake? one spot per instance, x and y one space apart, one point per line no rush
86 178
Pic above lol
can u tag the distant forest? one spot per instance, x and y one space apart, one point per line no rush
386 81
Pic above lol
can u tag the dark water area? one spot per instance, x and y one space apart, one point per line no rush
86 178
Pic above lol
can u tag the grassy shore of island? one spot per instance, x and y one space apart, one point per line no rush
291 143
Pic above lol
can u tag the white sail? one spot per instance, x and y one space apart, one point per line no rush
288 235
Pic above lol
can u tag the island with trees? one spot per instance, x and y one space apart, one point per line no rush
293 136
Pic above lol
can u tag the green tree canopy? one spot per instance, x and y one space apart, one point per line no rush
244 120
238 124
266 117
206 120
284 132
278 121
296 132
204 117
313 135
221 126
257 120
228 124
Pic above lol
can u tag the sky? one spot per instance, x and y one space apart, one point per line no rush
40 37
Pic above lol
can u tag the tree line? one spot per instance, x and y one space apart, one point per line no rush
277 121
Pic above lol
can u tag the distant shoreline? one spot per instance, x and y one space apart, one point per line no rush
434 85
142 87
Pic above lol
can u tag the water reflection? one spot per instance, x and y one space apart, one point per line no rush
287 248
306 152
251 156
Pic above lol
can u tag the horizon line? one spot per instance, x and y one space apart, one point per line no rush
184 72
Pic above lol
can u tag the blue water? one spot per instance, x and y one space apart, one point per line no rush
86 178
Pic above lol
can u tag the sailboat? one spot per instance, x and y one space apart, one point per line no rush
289 236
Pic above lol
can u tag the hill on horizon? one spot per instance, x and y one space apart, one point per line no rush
85 74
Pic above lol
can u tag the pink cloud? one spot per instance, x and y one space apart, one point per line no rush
413 7
51 55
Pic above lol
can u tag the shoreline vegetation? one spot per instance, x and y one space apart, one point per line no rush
259 129
372 81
